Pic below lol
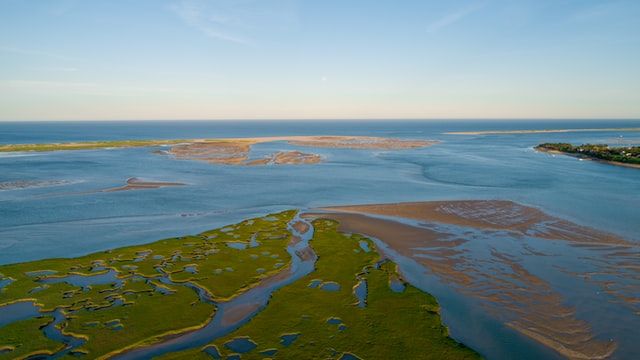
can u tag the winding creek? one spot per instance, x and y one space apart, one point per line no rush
232 314
229 315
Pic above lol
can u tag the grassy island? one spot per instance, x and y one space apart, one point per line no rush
627 156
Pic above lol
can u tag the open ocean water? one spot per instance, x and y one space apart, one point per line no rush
60 214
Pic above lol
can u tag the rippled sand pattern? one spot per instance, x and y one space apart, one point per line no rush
459 241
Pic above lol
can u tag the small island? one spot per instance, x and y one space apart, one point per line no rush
628 156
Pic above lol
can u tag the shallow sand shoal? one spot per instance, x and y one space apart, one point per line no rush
524 301
489 214
138 184
286 158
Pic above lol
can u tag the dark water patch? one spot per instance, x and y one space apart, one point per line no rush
364 245
288 339
4 282
334 320
269 352
191 269
53 331
234 357
360 291
331 286
16 311
349 356
212 351
315 283
85 281
242 344
396 284
238 245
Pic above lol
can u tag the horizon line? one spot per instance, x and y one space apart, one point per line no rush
333 119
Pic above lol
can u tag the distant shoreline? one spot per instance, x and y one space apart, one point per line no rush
585 157
544 131
323 141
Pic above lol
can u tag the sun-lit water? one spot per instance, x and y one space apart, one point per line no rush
50 204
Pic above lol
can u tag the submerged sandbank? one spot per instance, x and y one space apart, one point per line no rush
478 248
139 184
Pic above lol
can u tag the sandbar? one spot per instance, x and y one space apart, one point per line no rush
138 184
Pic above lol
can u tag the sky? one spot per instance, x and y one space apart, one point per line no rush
322 59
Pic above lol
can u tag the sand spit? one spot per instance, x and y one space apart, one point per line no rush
138 184
545 131
359 142
236 151
451 240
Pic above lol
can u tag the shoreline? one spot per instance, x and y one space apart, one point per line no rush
326 141
585 157
542 131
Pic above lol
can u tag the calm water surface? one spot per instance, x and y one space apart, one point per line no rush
64 216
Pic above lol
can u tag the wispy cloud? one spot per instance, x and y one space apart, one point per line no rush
196 15
453 17
235 21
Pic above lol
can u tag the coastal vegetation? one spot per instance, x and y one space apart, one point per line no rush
127 298
622 155
369 313
88 145
117 298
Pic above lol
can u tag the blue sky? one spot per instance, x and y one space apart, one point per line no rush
287 59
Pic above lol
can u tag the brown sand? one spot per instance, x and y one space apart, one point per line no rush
137 184
525 302
301 227
287 158
235 151
490 215
238 313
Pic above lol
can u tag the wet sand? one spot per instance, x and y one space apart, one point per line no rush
138 184
301 227
287 158
497 278
490 215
